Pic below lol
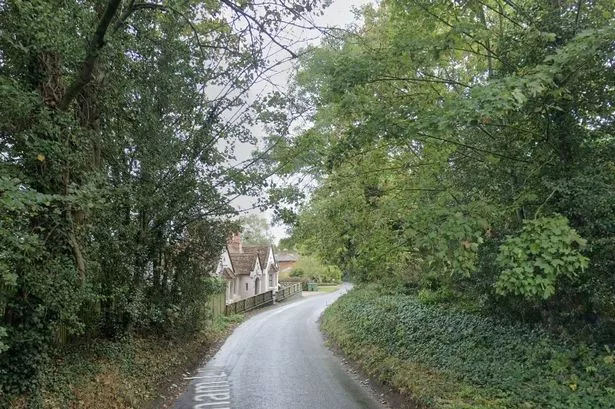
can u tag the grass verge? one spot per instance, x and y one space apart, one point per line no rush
446 359
328 288
129 373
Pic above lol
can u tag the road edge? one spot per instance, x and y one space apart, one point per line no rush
383 393
170 390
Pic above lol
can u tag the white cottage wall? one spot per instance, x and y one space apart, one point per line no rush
246 286
264 282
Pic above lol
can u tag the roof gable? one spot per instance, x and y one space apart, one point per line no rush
243 264
228 273
262 251
223 262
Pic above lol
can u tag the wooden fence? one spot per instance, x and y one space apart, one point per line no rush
285 283
262 299
250 303
217 303
288 291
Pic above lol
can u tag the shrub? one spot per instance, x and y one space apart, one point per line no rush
296 273
313 268
532 262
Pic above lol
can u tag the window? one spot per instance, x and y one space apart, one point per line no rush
246 286
270 280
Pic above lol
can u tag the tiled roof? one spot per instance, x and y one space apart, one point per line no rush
228 273
242 263
261 250
287 257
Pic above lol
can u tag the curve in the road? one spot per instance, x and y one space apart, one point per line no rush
277 360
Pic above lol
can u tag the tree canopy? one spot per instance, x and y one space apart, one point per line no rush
465 149
255 229
117 131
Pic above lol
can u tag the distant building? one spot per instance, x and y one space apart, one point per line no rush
286 261
247 269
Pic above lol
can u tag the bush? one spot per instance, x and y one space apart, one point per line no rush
315 270
473 360
546 249
296 273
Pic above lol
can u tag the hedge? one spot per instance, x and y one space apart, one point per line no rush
460 360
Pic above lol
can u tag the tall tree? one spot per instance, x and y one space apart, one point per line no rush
458 146
255 229
118 123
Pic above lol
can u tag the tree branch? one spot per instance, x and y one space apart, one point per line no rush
543 203
474 148
124 16
431 79
238 10
97 43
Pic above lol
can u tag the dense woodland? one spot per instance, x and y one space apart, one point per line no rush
464 151
118 122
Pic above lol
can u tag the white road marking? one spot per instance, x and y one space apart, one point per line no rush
213 391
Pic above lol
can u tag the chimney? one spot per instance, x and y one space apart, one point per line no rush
234 244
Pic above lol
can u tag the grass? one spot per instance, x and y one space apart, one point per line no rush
328 288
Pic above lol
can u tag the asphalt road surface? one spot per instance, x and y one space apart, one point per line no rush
277 360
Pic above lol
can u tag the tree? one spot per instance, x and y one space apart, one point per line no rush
440 131
255 229
288 243
118 123
315 270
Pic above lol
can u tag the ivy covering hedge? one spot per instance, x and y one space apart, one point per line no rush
452 359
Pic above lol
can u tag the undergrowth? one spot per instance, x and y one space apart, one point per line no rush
121 374
451 359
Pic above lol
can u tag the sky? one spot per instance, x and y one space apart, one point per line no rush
338 14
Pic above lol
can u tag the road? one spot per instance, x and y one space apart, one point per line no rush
277 360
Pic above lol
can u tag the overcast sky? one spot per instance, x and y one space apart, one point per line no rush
339 14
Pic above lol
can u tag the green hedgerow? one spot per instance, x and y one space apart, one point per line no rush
504 365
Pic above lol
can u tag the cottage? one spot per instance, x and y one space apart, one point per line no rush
247 269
